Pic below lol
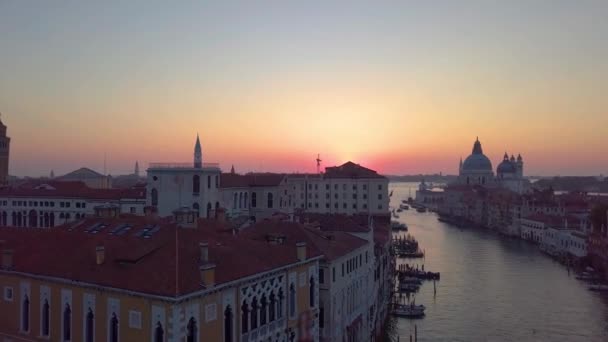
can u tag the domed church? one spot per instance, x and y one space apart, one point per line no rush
477 170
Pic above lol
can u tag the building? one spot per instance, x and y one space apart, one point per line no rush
195 185
5 150
477 170
349 189
44 204
91 178
149 279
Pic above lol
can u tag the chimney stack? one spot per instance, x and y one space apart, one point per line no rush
204 247
301 251
7 259
100 255
208 275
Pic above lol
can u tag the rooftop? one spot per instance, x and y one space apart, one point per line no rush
69 189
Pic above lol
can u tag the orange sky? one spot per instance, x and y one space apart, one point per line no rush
400 88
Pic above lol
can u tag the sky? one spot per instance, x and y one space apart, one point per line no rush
403 87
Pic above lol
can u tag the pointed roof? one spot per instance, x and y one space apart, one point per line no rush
197 146
477 147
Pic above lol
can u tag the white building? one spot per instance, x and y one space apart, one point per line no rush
194 185
52 203
346 189
477 170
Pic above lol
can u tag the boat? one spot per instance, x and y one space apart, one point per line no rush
598 288
398 226
404 201
404 207
403 287
417 254
586 276
421 209
409 311
399 210
411 280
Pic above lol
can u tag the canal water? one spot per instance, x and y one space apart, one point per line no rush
494 288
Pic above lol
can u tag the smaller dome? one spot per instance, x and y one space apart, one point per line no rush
506 167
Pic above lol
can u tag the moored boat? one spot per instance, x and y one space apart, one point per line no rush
409 311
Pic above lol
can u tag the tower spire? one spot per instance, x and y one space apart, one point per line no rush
198 153
137 168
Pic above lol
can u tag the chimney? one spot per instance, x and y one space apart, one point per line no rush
100 255
7 259
208 274
185 217
151 212
301 251
107 210
204 247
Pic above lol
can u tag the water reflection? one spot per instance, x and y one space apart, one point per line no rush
496 289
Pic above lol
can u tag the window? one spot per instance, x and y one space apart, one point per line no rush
343 269
334 274
8 294
114 328
270 200
217 181
45 318
254 313
263 311
133 210
379 196
316 186
354 196
292 300
311 291
67 323
364 186
272 308
326 205
344 205
280 304
159 333
321 318
77 204
90 326
336 196
336 205
68 204
135 319
379 206
354 205
327 187
192 330
196 184
208 182
244 317
335 186
379 186
343 186
364 206
228 324
154 196
254 199
25 314
321 276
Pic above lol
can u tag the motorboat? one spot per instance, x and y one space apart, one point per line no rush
411 280
399 210
403 287
421 209
409 310
598 288
398 226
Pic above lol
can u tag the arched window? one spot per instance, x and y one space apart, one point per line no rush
280 304
25 314
234 203
14 215
159 333
270 200
245 202
4 220
263 310
228 324
209 210
89 326
154 195
292 301
67 323
114 328
312 292
46 220
217 209
196 208
19 219
244 317
208 182
254 313
196 184
45 318
192 330
52 220
240 200
272 308
254 199
33 219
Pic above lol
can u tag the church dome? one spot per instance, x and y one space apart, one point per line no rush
477 161
506 167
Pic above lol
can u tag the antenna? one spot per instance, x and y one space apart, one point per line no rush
318 163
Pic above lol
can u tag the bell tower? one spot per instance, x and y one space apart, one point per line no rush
198 154
5 144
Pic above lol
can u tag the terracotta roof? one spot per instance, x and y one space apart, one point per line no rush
167 263
69 189
233 180
350 170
